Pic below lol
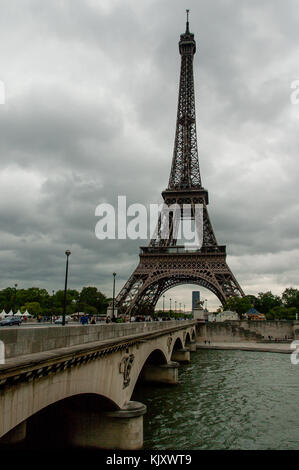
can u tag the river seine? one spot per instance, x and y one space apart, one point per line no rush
225 400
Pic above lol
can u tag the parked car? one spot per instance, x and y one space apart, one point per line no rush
59 321
10 321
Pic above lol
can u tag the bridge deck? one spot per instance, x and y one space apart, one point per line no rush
42 361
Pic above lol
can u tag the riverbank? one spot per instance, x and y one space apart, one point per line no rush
248 346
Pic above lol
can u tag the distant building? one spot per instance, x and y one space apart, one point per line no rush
200 314
254 314
212 317
227 315
195 301
223 316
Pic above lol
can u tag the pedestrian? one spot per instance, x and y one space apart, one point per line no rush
84 319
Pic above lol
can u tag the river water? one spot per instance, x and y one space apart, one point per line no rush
225 400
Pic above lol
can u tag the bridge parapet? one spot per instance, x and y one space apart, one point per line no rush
22 341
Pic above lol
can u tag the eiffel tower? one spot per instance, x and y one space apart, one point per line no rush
165 264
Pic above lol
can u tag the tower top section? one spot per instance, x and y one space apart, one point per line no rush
187 45
185 173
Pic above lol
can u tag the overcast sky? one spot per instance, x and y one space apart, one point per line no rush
91 95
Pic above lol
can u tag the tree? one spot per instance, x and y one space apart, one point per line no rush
91 296
33 308
238 304
290 297
282 313
72 296
266 301
7 298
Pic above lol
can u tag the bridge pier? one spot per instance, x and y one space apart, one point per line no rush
16 435
120 429
165 373
192 346
181 355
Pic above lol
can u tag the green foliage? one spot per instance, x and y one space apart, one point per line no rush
92 297
39 301
267 301
169 314
238 304
33 308
290 298
282 313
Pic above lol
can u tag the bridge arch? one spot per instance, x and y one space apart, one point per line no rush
55 420
178 344
187 339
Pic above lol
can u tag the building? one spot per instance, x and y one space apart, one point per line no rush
227 315
254 314
195 300
223 316
200 314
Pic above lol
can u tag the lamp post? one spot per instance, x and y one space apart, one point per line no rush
175 306
170 306
14 300
180 308
163 302
113 299
52 305
206 300
65 285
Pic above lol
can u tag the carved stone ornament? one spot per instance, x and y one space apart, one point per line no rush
125 367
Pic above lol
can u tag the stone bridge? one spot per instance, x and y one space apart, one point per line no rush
80 379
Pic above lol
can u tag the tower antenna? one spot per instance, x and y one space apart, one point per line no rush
187 22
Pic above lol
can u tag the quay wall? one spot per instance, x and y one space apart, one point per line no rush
247 330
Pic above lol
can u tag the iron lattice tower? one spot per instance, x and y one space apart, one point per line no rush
165 264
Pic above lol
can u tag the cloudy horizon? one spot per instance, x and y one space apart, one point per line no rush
90 112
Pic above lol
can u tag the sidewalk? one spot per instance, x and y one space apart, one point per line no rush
249 346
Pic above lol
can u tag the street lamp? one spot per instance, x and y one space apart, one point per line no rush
65 285
175 306
14 300
52 305
113 301
163 302
170 305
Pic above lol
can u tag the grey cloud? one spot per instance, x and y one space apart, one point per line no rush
91 114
